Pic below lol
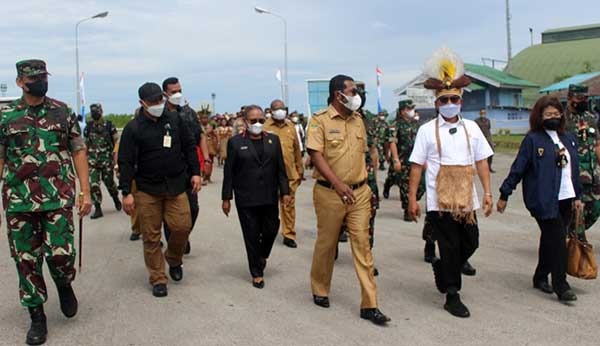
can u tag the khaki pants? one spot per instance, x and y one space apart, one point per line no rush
331 212
288 214
135 223
151 211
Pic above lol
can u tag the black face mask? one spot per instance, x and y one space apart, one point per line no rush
96 115
38 88
581 107
552 124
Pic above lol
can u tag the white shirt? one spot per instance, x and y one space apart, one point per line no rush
566 184
454 152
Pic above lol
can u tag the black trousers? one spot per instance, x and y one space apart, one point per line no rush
457 242
553 255
194 209
259 227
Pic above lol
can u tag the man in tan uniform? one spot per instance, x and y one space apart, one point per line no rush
337 142
292 158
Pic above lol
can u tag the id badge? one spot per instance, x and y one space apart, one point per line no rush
167 141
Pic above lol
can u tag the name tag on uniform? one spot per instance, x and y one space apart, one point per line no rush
335 131
244 148
167 141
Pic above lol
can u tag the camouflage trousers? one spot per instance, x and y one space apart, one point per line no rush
99 174
401 179
33 236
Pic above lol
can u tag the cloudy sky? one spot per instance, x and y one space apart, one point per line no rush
226 48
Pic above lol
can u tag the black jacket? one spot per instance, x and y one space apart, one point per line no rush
157 170
255 183
536 165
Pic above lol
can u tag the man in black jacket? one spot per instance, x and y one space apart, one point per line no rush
255 171
159 152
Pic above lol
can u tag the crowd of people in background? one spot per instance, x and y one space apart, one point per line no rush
165 155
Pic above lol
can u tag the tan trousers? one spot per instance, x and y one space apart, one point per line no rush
288 214
331 212
135 223
151 211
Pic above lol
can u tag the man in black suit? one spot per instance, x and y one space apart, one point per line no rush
255 171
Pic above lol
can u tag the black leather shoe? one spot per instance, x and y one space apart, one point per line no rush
134 237
468 270
386 193
375 272
567 296
159 290
438 275
455 307
543 286
321 301
97 212
375 316
68 301
290 243
38 330
188 248
259 285
118 204
343 238
176 273
429 252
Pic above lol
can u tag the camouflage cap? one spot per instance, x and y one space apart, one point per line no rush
578 89
95 107
31 67
405 102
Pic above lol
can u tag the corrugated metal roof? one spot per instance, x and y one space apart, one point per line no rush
501 79
572 28
564 84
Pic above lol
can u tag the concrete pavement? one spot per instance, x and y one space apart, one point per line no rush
215 304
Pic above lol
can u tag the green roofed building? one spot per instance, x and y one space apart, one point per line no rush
563 53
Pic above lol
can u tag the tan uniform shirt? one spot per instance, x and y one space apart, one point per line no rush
343 143
292 156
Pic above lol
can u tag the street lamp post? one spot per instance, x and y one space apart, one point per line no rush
99 15
285 51
213 96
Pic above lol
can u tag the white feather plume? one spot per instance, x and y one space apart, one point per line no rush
444 64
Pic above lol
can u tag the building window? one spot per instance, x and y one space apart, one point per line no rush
514 116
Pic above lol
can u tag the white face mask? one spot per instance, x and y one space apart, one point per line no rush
176 99
411 113
255 129
381 117
352 102
449 110
156 110
279 114
268 115
295 120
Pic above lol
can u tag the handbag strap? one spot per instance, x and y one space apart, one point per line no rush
579 222
439 142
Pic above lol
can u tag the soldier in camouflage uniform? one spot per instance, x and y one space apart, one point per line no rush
583 124
401 137
379 126
101 137
39 143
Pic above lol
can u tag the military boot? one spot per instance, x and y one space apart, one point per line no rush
117 202
68 301
38 331
98 212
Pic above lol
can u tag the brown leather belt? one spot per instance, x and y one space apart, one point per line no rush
330 186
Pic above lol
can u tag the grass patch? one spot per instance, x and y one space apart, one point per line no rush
507 143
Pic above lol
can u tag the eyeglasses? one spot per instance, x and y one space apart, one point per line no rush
254 121
445 99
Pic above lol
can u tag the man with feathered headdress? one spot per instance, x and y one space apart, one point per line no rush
451 150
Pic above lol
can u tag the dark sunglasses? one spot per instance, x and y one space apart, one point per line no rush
254 121
445 99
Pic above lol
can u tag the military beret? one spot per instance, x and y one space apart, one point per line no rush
150 92
578 89
95 107
31 67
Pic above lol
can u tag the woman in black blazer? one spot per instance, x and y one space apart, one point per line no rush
548 164
254 171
